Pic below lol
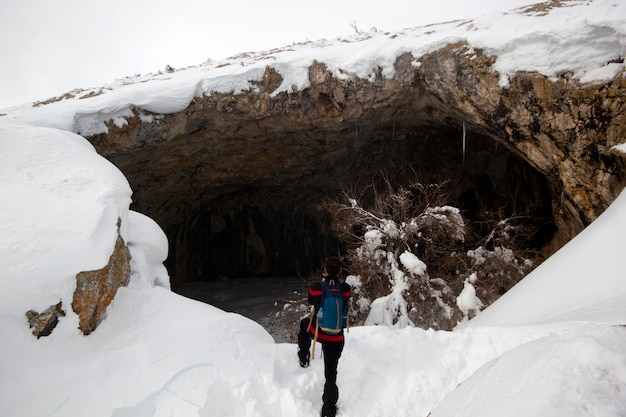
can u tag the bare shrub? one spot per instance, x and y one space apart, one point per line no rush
502 257
410 259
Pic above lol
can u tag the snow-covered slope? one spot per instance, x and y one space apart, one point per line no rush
158 354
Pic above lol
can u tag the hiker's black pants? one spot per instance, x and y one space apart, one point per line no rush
332 353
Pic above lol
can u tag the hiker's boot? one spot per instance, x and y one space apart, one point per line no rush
329 411
304 357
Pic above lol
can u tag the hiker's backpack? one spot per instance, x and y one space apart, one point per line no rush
331 315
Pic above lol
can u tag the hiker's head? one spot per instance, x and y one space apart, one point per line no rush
332 266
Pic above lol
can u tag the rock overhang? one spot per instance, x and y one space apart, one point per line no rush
292 149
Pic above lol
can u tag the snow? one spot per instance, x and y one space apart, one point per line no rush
621 148
467 299
550 346
59 197
148 247
583 38
117 38
576 372
412 263
391 310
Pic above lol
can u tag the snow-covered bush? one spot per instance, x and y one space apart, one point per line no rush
467 301
411 262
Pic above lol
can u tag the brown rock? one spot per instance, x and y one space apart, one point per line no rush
96 289
43 324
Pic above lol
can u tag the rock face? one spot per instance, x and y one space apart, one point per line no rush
44 323
254 166
564 130
96 289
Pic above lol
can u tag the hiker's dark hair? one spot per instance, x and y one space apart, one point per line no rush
333 266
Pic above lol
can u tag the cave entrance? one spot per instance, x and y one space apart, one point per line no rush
276 230
252 233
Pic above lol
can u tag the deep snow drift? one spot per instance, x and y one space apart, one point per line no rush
549 347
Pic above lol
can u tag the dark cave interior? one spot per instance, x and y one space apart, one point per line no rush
275 228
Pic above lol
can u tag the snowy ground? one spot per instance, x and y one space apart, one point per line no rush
548 347
552 346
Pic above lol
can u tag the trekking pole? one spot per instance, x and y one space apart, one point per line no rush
347 323
307 329
315 339
311 318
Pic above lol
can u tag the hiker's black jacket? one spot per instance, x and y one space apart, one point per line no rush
315 299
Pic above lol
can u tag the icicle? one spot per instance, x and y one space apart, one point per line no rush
463 142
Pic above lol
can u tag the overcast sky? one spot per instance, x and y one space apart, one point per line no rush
49 47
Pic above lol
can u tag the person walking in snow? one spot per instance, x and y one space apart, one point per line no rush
332 340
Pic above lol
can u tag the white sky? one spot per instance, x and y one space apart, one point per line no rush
50 47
